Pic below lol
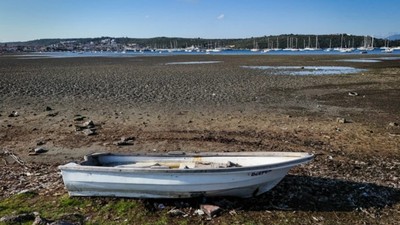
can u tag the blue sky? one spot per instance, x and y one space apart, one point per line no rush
22 20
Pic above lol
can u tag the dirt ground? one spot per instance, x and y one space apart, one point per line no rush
211 107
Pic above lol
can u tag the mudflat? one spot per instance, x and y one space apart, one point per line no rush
349 121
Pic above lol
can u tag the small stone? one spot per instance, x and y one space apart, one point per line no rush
341 120
210 210
124 141
40 150
48 108
79 127
13 114
89 132
129 138
352 93
88 124
40 221
393 124
79 118
175 212
198 212
233 212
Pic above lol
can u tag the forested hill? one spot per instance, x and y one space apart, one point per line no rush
273 41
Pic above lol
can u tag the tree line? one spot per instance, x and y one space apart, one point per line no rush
272 41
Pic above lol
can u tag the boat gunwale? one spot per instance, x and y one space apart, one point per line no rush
303 158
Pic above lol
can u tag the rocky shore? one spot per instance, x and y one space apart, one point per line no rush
56 110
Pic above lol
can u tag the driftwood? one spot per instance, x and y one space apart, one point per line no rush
14 157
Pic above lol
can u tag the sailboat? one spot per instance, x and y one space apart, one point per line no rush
387 49
255 47
330 46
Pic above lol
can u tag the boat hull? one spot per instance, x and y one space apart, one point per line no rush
247 181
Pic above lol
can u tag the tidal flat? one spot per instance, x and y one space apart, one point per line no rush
168 103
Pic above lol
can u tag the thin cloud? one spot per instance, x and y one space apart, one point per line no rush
221 17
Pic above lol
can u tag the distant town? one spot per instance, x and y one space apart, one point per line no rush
293 42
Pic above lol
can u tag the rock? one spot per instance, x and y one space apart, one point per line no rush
48 108
125 141
89 132
88 124
233 212
13 114
210 210
352 93
175 212
40 150
79 118
393 124
129 138
40 221
341 120
198 212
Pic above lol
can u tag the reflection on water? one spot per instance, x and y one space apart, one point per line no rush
307 70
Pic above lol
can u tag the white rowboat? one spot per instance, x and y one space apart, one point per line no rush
179 175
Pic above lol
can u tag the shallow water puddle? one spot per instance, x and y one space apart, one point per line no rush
389 58
360 60
307 70
193 62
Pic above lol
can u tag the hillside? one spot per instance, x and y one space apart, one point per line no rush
272 41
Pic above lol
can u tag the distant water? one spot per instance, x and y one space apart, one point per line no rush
191 63
226 52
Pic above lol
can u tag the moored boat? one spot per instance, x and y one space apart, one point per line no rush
183 175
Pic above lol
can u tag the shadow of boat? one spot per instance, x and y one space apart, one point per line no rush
302 193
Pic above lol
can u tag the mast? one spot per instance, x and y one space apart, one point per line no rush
341 41
277 42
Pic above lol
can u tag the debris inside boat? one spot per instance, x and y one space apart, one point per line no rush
184 175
